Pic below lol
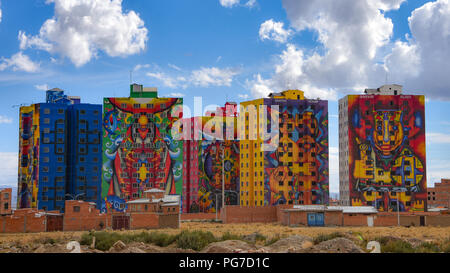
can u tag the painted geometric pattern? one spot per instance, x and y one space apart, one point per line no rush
297 172
139 151
28 157
387 152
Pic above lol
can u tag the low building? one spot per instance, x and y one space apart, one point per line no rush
154 210
439 195
320 215
5 201
31 220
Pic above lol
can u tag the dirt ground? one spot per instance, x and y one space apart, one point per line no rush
435 234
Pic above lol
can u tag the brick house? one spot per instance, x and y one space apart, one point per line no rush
5 201
439 196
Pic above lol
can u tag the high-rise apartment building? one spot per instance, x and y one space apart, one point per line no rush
382 150
139 150
211 161
49 138
292 166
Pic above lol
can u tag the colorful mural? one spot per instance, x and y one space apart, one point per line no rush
297 171
387 152
210 178
139 151
28 156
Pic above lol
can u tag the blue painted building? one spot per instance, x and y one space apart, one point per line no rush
59 152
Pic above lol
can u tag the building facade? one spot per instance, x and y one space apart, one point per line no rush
382 150
439 195
292 166
139 150
47 142
210 160
5 201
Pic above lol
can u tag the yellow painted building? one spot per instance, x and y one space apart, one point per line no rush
295 171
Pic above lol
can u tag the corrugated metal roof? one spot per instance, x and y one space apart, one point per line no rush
139 201
344 209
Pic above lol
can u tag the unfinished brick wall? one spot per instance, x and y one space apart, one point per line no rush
356 220
200 216
438 220
81 215
144 220
26 220
238 214
169 221
5 201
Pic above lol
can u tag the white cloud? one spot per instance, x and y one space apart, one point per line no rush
214 76
289 75
351 36
270 30
140 66
229 3
243 96
19 62
433 138
232 3
80 29
425 55
167 80
8 170
174 67
0 12
5 120
43 87
203 77
175 95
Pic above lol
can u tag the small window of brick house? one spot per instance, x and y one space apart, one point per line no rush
76 209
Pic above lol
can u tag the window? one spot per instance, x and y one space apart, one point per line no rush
46 111
76 209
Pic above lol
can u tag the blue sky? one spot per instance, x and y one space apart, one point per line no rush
226 49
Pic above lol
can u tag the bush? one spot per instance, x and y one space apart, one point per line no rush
428 248
229 236
196 240
445 246
397 246
45 240
273 240
326 237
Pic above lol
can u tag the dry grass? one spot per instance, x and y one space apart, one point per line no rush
435 234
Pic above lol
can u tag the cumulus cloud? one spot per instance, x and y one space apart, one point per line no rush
425 55
5 120
80 29
232 3
288 74
351 34
271 30
19 62
203 77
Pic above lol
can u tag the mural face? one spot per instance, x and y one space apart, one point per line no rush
387 142
297 172
210 179
139 151
28 155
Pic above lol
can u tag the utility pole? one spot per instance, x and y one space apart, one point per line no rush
223 175
398 209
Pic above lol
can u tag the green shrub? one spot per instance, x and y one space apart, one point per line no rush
273 240
196 240
428 248
397 246
325 237
229 236
445 246
86 239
